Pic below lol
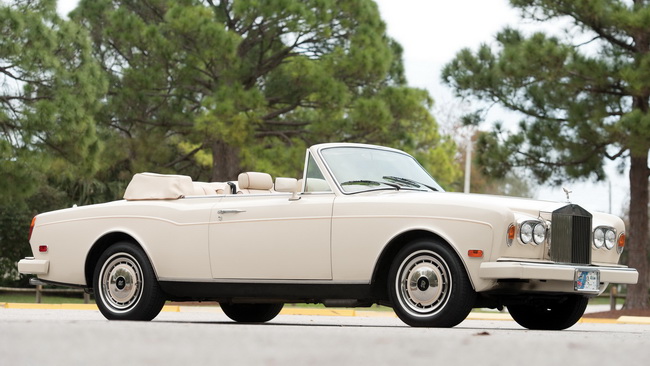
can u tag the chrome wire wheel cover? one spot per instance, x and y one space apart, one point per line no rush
423 283
121 282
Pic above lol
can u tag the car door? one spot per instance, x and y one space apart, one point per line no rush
271 237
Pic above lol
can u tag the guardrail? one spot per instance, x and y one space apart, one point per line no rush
38 291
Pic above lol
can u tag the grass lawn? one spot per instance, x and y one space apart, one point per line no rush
29 298
605 301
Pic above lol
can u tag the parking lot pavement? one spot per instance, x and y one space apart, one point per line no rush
478 314
190 335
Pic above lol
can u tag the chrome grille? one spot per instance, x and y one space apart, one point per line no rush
571 235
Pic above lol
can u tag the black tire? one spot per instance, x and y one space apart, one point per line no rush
554 315
428 285
125 284
251 313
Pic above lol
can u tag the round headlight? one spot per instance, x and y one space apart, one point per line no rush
610 238
526 232
539 233
599 237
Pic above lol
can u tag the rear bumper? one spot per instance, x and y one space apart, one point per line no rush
558 272
31 265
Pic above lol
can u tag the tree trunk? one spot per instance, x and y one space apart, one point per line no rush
225 162
637 247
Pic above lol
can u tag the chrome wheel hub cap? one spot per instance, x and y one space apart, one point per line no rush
121 282
424 283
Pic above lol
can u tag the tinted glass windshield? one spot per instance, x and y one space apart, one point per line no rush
359 169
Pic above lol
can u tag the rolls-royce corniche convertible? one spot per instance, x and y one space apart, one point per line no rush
364 225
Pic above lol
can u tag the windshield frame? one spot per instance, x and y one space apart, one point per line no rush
390 185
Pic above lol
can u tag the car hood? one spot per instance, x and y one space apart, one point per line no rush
517 204
526 206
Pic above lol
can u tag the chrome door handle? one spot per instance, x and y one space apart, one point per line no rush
229 210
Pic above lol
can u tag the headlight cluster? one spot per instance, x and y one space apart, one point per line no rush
537 232
532 232
604 236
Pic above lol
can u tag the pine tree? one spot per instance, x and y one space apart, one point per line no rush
582 103
50 88
209 88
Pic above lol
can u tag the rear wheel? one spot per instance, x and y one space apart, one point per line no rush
125 284
251 313
429 287
554 315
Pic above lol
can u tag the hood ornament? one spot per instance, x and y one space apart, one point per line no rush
567 192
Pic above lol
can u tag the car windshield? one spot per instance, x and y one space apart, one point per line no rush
358 169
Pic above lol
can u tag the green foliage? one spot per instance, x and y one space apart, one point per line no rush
26 298
50 91
14 221
578 106
249 84
15 218
569 101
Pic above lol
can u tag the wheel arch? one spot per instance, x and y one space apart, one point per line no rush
99 247
380 273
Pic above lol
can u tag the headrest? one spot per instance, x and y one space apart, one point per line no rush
255 180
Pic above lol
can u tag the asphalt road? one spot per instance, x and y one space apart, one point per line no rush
82 337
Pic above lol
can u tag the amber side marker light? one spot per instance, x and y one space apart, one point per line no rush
621 243
31 228
475 253
512 231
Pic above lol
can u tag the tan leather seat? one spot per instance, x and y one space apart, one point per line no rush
255 183
210 189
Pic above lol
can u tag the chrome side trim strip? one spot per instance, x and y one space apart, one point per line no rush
261 281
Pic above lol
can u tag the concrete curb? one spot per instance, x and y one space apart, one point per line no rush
634 320
319 312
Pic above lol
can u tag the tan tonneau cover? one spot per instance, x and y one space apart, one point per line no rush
152 186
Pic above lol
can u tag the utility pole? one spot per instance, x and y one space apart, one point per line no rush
468 163
610 195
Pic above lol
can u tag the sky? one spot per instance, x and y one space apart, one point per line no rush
431 32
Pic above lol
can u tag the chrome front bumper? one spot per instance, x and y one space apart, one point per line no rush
31 265
558 272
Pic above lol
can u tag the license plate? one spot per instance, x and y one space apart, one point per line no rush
587 280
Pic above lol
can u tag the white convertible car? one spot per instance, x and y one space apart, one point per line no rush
365 225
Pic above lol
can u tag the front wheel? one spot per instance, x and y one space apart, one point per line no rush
429 287
550 315
125 284
251 313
